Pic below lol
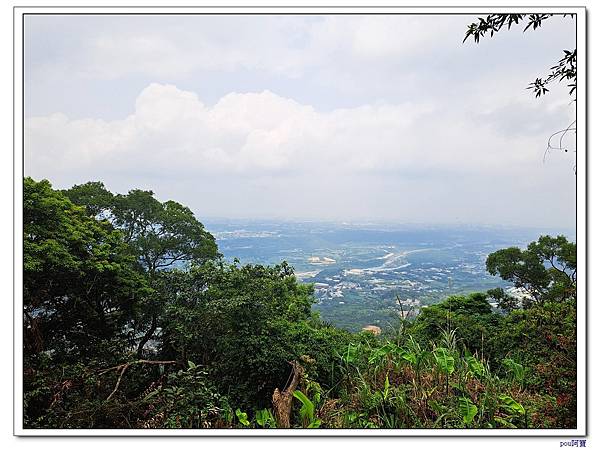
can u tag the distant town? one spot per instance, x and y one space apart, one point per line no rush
371 275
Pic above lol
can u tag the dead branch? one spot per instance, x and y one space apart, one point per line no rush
122 368
282 401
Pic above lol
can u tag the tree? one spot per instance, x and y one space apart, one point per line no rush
159 234
80 284
546 270
470 316
543 338
93 196
236 320
505 301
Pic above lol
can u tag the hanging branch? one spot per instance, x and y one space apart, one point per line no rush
122 368
562 133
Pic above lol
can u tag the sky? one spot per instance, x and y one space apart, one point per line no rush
349 118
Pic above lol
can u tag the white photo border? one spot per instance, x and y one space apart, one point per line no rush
19 13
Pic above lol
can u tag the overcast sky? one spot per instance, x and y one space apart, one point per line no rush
351 118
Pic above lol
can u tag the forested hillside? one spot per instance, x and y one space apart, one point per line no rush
132 319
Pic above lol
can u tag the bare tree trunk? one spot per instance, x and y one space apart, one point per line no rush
147 336
282 401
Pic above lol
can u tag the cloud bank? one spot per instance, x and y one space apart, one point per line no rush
319 117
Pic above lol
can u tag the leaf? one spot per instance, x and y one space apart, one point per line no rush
377 355
260 418
242 417
438 420
307 411
511 405
504 422
264 417
437 407
410 357
151 394
475 366
351 354
315 423
444 361
516 369
467 409
191 365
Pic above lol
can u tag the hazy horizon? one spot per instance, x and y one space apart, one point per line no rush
321 118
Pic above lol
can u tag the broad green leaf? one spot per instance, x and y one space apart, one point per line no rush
315 423
511 405
467 409
351 354
475 366
242 417
516 369
444 361
264 417
307 411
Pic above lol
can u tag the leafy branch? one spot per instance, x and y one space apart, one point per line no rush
564 69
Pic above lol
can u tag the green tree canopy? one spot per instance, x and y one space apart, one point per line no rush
80 286
159 234
235 319
546 270
470 315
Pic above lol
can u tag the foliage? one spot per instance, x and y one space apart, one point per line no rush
564 69
242 417
514 369
445 362
225 335
236 319
546 270
265 419
81 289
469 316
543 340
307 412
188 399
159 235
467 409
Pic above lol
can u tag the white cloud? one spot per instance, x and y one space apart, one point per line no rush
254 133
390 113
